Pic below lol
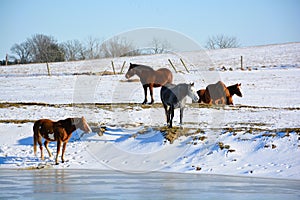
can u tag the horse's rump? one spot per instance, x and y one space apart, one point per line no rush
164 76
216 93
44 128
167 94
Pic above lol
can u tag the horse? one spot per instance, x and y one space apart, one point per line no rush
150 78
60 131
218 93
174 96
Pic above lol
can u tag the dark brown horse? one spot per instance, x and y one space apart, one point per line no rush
60 131
219 94
150 77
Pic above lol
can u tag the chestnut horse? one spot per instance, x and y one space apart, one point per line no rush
150 78
219 94
60 131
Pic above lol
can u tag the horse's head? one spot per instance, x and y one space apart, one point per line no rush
192 92
82 124
131 71
237 89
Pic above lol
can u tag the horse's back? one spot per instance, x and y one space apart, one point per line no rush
164 70
217 90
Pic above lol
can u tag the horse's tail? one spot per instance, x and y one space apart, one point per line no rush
170 80
35 135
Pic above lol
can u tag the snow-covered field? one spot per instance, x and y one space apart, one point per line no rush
258 136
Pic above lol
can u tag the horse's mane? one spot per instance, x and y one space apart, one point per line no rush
143 66
231 86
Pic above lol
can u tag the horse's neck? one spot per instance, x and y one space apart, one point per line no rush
180 92
231 90
68 125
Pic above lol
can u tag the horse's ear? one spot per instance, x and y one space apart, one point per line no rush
75 121
192 84
239 84
130 65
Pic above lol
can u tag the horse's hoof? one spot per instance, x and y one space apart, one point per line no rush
57 163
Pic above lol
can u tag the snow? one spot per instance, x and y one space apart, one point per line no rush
257 137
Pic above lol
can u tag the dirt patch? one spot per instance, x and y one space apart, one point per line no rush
172 134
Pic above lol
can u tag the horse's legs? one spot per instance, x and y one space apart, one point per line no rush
172 115
46 145
181 114
63 152
229 100
151 93
145 92
57 151
39 140
166 112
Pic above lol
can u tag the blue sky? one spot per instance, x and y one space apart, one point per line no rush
253 22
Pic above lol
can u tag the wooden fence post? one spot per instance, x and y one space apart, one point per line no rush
122 67
242 68
113 67
184 65
172 65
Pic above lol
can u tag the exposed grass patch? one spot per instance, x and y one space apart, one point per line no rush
130 80
16 121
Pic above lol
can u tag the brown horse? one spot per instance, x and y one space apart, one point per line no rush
149 77
219 94
60 131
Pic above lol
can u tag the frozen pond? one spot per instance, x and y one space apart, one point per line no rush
96 184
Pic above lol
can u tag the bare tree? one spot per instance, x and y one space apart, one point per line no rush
45 49
92 48
73 50
117 47
159 46
222 42
23 51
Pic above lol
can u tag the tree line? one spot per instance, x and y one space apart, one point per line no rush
42 48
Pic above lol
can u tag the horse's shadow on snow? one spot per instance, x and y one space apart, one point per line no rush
26 141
